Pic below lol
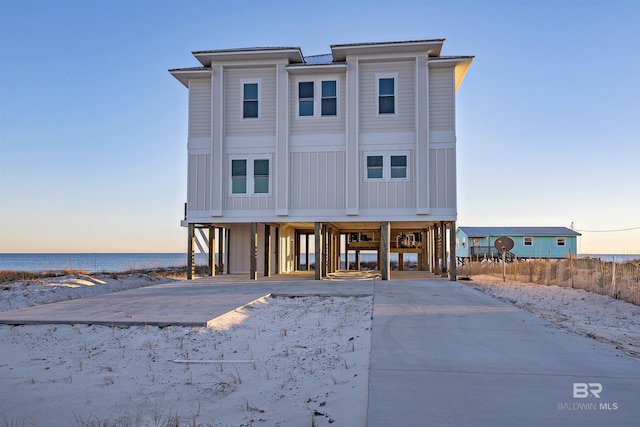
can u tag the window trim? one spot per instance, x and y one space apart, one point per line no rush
323 98
250 174
244 82
378 77
317 98
386 165
311 99
561 239
527 241
246 174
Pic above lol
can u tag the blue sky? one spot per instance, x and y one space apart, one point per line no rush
93 127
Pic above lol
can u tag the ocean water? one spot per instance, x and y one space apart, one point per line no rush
100 262
96 262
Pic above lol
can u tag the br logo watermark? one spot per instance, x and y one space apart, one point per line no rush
587 391
583 390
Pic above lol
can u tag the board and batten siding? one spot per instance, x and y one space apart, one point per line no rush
387 193
200 108
317 180
404 118
317 123
442 178
234 123
441 99
199 182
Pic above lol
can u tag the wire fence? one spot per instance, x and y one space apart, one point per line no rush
618 280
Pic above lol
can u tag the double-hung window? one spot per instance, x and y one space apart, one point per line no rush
241 172
386 95
387 167
398 167
329 98
239 176
261 176
375 167
318 96
561 241
527 241
250 100
305 99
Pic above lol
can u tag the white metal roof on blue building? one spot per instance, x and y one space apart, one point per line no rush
517 231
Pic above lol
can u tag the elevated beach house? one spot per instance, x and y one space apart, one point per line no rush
528 242
293 159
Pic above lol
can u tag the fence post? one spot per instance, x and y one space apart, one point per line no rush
613 279
571 267
549 268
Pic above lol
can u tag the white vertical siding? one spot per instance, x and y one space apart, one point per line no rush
240 248
317 180
404 119
199 182
388 193
200 108
441 99
233 92
442 166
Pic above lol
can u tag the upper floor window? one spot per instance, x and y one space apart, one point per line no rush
528 241
386 95
250 100
305 98
326 103
561 241
329 98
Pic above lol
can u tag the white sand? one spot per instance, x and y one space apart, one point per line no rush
276 362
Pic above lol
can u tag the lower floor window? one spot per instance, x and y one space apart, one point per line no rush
238 176
242 169
387 167
560 241
261 176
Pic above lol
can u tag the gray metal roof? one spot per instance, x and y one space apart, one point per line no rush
517 231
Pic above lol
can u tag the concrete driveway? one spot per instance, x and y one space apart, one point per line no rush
444 354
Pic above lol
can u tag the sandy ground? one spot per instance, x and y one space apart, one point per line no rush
275 362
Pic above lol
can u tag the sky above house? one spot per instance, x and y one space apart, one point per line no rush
93 128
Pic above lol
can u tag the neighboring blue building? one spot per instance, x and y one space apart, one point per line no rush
534 242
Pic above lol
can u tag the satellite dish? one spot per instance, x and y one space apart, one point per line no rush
504 243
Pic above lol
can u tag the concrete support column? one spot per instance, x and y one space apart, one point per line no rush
385 237
253 247
317 229
190 263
